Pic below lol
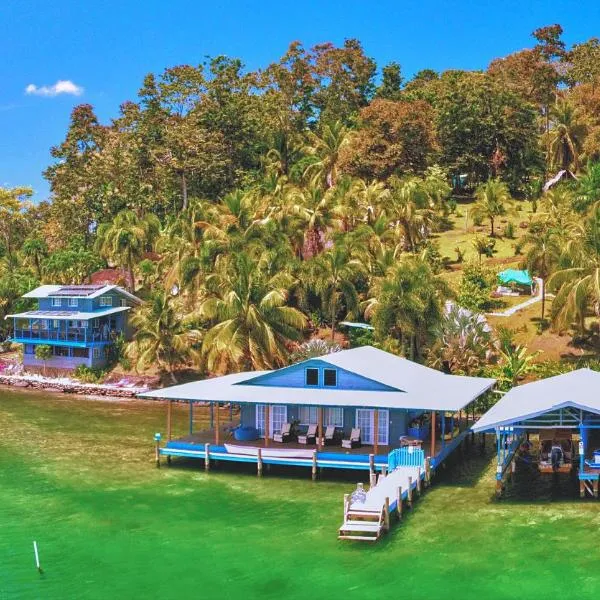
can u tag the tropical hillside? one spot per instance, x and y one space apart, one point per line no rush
255 210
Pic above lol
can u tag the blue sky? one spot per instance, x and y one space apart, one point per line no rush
107 47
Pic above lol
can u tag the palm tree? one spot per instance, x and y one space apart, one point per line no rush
315 206
250 322
162 336
407 304
326 147
333 276
492 200
542 252
125 239
577 280
565 138
409 208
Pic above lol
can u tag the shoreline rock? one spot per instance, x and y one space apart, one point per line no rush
87 389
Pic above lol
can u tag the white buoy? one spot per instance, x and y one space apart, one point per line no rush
37 556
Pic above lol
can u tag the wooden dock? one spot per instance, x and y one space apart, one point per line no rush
369 520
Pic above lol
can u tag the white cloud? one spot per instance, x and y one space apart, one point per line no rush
62 86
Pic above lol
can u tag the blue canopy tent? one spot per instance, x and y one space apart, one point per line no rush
516 277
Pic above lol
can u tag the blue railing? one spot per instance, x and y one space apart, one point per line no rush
79 335
409 456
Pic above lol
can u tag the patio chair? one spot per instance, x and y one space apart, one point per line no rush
354 440
284 434
311 434
330 435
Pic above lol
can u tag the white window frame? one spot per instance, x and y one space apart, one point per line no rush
333 416
123 302
308 415
73 302
105 301
56 323
56 302
83 324
96 352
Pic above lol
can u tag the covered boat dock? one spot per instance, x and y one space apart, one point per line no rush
554 422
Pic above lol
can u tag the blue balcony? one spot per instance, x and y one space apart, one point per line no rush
73 337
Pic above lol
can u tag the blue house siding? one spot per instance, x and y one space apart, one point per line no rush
74 341
295 377
397 425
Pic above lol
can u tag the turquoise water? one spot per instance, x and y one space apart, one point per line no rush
78 476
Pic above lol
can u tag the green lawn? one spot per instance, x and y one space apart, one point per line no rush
463 232
78 477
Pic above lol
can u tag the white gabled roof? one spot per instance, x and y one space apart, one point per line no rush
417 387
47 291
67 315
43 291
579 389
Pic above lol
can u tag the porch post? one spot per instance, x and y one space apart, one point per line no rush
191 417
267 423
582 440
432 451
443 424
376 432
217 432
169 419
319 426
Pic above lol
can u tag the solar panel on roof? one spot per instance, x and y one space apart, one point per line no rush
77 290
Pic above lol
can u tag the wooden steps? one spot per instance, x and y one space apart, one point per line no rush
362 525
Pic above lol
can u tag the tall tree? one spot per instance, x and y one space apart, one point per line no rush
162 336
334 274
493 201
250 323
125 239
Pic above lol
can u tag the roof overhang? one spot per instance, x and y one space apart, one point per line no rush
64 315
229 388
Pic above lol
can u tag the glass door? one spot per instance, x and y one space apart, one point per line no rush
277 416
365 420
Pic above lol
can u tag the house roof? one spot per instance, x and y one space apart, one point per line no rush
578 389
64 315
78 291
416 386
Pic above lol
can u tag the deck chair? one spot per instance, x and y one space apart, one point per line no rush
284 434
330 435
311 434
354 440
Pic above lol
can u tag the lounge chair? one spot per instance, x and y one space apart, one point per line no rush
284 434
354 440
311 434
330 435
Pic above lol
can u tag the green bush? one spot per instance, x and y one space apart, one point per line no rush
509 230
89 374
476 286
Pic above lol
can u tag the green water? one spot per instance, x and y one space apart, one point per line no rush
78 477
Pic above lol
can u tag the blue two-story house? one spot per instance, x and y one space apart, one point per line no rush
79 323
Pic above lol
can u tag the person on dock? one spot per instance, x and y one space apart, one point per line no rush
556 454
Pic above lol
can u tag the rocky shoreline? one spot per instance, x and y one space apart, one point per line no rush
69 386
